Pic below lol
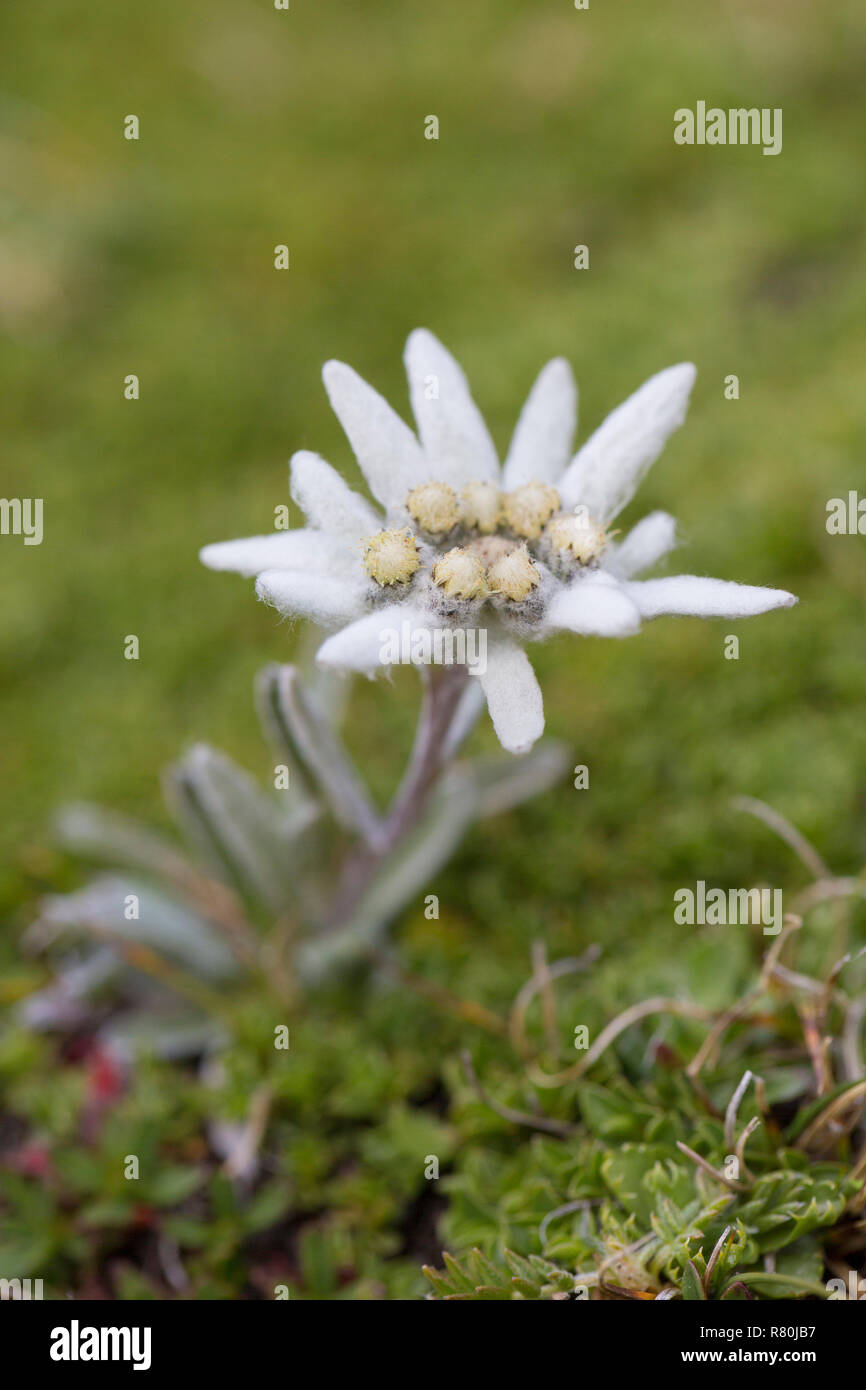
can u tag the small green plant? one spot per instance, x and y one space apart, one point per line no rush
722 1157
194 1013
274 892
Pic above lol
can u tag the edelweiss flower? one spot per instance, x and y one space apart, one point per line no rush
520 552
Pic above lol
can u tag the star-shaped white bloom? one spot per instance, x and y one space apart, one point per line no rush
520 552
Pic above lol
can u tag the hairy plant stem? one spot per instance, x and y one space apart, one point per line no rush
442 690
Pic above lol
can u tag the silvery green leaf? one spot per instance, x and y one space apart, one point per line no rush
399 879
66 1002
173 1036
91 832
507 782
245 835
162 923
300 730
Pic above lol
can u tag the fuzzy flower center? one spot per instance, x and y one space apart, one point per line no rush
460 574
514 575
434 508
391 557
502 533
481 507
528 508
575 536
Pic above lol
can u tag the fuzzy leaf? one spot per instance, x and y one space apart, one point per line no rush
246 835
297 728
93 833
163 924
506 783
173 1036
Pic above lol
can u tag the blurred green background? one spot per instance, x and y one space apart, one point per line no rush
556 127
